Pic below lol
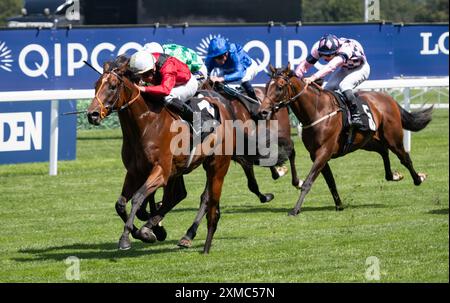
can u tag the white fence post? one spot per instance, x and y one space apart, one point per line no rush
406 106
53 164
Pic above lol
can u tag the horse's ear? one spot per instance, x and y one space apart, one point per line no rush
272 69
288 68
106 66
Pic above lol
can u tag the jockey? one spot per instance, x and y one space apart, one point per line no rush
228 62
170 79
185 55
348 55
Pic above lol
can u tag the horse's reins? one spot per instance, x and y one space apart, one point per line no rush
284 103
103 107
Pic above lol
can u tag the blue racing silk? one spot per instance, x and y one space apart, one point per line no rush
234 68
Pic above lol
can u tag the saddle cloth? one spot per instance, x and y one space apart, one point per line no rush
366 115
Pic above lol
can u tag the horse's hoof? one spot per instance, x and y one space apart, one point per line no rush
160 232
281 170
185 243
147 235
299 184
293 213
266 198
124 243
422 178
396 176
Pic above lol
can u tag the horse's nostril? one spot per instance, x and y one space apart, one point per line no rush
93 117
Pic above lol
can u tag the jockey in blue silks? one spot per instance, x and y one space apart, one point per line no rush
228 62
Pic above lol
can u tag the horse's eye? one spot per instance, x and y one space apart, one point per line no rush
112 87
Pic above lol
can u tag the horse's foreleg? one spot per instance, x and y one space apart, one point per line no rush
216 173
328 175
320 160
128 188
153 182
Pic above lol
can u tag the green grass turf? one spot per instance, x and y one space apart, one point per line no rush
45 219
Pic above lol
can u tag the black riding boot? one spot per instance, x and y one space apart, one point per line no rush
249 90
355 110
187 114
181 108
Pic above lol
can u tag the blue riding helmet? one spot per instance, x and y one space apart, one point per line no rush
328 45
218 46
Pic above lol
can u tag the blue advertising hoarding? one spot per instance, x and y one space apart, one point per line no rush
25 131
53 59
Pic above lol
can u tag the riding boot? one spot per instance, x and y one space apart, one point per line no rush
181 108
355 111
249 90
187 114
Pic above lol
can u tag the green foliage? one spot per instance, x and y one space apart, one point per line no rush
9 8
72 214
112 121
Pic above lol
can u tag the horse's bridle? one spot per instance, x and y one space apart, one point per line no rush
284 103
108 110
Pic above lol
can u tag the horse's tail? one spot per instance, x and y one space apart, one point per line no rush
417 120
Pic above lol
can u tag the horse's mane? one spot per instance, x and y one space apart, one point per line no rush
120 65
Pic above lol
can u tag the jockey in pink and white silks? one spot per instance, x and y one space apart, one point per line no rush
347 58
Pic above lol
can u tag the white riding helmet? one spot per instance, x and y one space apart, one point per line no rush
154 47
142 61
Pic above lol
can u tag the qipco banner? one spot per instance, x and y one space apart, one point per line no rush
53 59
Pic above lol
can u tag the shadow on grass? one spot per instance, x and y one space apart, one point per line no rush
441 211
108 250
259 209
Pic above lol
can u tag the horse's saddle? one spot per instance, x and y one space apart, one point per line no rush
366 115
252 107
348 133
209 114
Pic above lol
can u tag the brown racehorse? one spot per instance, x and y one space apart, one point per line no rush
241 113
321 117
147 154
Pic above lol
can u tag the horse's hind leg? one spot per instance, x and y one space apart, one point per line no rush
295 180
381 149
186 240
215 173
395 144
328 175
253 185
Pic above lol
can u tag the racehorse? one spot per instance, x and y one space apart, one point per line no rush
322 119
243 113
147 154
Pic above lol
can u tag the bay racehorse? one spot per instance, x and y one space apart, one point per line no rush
323 124
243 111
147 153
